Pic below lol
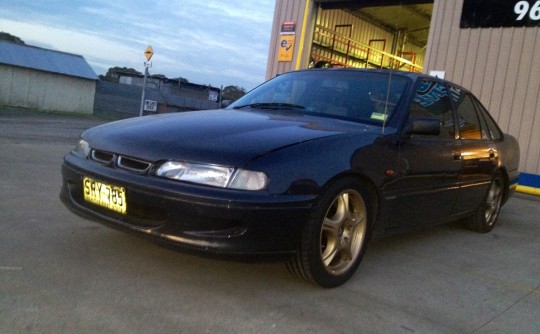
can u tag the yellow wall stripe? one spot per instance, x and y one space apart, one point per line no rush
302 36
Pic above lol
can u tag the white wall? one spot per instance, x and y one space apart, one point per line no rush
27 88
501 66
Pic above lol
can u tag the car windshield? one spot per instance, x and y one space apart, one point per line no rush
353 95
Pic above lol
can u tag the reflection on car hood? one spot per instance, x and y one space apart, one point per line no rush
227 137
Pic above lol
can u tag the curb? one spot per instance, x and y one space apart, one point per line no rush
528 190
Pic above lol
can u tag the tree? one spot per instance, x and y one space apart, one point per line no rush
182 80
159 76
113 74
4 36
232 93
164 78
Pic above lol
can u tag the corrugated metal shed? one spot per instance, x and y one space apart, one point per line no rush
46 60
500 65
179 101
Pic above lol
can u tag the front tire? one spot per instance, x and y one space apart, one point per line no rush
334 240
487 213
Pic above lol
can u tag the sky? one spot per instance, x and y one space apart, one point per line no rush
216 42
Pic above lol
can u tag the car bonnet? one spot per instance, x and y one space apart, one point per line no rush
228 137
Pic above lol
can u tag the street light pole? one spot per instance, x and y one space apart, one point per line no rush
146 65
149 52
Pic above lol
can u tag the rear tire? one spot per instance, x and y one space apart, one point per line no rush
335 239
487 213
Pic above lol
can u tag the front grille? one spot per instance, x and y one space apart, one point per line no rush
120 161
103 157
133 165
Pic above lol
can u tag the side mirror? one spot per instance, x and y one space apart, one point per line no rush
422 126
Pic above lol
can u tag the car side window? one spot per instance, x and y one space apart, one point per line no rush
494 131
468 120
432 100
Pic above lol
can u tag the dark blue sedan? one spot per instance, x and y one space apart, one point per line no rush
310 165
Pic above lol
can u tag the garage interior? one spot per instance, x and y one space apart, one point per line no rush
371 34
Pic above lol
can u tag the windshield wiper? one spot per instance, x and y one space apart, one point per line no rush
271 105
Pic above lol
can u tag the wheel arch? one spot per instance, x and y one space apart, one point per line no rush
506 179
374 199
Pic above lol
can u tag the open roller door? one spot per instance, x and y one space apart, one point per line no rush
371 34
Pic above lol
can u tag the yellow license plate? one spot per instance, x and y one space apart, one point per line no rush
105 195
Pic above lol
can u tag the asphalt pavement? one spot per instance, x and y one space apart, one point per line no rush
60 273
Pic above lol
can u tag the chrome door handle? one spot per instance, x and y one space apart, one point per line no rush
491 154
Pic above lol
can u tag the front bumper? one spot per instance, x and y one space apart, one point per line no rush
204 219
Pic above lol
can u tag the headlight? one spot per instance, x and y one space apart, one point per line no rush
213 175
82 149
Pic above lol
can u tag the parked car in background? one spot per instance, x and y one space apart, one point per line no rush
310 165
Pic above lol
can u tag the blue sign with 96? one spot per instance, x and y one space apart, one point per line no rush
500 13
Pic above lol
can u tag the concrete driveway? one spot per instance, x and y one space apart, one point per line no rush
62 274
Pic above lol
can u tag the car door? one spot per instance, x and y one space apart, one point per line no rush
477 151
426 189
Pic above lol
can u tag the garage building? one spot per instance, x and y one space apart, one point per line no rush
487 46
44 79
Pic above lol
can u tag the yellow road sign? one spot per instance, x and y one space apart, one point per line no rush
149 52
